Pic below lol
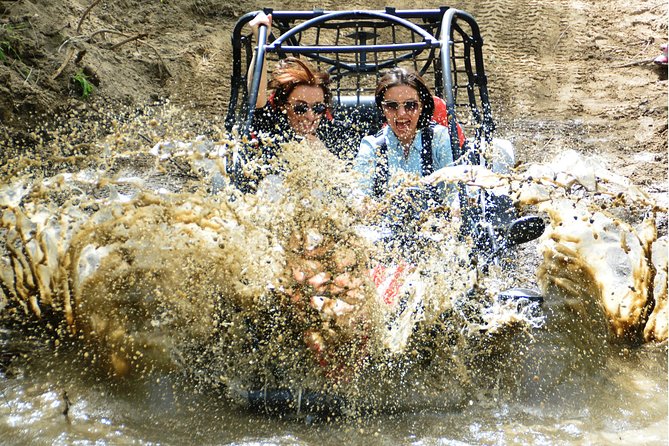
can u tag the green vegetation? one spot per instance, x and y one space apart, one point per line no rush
81 80
9 41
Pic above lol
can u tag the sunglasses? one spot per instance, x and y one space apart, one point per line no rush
302 108
409 106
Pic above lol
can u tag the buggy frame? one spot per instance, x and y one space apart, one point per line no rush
444 45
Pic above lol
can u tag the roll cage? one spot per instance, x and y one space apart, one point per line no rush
444 45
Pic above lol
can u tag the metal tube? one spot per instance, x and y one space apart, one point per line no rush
355 15
278 48
257 75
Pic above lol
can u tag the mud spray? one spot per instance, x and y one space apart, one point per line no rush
131 260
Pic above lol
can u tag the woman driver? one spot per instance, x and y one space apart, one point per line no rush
410 142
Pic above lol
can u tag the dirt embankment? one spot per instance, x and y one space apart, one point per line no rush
562 73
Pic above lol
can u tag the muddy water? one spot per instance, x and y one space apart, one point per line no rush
619 398
191 299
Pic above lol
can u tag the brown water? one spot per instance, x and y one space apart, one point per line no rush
182 300
618 399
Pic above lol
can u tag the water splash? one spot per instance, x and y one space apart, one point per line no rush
147 257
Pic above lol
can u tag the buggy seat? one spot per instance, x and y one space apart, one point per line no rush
361 110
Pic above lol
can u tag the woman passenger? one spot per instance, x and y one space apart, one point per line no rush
299 107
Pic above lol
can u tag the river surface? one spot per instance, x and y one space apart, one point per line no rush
620 400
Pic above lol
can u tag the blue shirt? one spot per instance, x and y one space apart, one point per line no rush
367 157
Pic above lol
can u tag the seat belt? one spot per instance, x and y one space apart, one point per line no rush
381 173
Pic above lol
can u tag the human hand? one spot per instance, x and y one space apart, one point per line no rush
260 19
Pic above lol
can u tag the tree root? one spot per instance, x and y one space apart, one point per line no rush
83 16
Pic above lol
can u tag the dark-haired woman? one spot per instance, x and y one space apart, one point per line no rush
410 142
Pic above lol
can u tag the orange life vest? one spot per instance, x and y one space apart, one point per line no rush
440 116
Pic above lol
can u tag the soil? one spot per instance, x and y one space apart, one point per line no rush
562 73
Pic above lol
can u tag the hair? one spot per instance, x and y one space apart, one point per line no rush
401 76
292 72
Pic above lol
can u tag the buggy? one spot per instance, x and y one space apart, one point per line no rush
443 45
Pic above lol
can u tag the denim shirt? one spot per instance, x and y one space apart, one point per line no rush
367 157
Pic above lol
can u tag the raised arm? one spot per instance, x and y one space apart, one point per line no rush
260 19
